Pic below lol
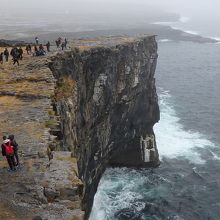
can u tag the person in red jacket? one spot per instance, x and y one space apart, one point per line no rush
8 151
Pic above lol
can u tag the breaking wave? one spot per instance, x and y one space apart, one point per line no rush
164 40
172 140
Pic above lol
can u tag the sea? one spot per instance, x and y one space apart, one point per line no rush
186 186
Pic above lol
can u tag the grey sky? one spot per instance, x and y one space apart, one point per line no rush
198 8
175 5
105 12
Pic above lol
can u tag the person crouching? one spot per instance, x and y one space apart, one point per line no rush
8 151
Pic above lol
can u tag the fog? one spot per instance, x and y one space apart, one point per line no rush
77 15
80 7
199 7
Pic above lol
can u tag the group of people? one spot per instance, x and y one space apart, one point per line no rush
16 53
37 50
10 151
63 43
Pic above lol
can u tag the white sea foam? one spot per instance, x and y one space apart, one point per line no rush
186 31
164 40
177 25
117 191
173 140
216 38
191 32
166 23
215 156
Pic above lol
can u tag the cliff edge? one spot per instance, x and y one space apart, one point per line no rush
107 102
94 105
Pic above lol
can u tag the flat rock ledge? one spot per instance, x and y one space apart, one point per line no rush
52 189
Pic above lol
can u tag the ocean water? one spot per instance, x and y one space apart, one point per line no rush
186 186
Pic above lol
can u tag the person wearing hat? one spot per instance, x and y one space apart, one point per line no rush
8 152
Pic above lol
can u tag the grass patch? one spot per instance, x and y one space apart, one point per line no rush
70 159
51 123
65 88
51 113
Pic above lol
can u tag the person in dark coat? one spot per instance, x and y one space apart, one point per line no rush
6 54
27 49
41 47
15 146
12 53
65 43
37 40
15 56
20 51
58 42
62 45
48 46
1 58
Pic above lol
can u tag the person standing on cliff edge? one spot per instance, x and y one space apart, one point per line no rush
48 46
37 40
6 54
65 43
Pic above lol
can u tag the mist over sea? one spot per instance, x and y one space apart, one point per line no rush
204 26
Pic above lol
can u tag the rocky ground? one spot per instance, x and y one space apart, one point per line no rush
37 188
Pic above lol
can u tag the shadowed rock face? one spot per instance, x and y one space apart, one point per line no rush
108 117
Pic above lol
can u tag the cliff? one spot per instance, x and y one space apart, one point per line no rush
107 103
94 105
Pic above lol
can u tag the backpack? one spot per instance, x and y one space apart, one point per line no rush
9 149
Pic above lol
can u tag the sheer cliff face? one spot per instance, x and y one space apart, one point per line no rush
107 117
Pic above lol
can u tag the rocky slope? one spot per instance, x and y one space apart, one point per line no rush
107 102
50 190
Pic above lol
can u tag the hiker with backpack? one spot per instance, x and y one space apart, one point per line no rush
15 147
8 152
15 55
